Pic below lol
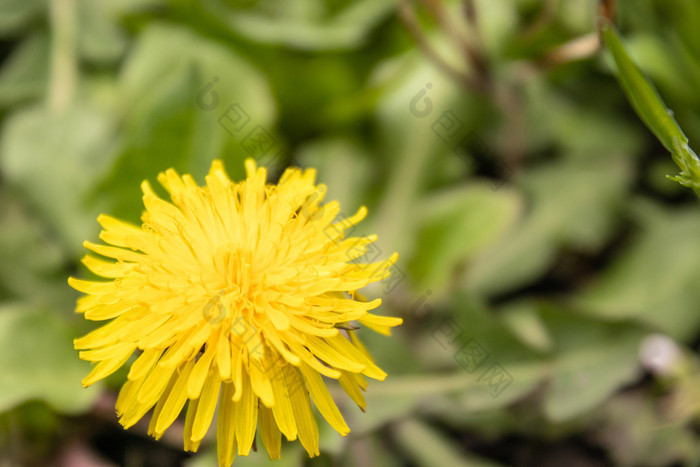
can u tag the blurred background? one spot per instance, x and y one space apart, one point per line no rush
548 273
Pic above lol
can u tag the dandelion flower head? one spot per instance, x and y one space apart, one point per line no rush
236 295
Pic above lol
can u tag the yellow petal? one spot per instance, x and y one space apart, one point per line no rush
154 384
144 363
127 396
108 269
223 358
246 417
333 355
282 410
352 390
188 343
322 399
260 373
200 372
311 360
120 254
159 408
190 445
270 434
105 368
103 312
277 257
380 324
177 396
206 407
303 414
91 287
105 353
345 347
225 436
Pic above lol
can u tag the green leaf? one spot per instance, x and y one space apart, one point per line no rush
290 457
564 211
498 22
175 89
593 360
455 225
590 130
416 100
524 321
425 446
649 437
164 50
363 450
651 109
385 404
654 279
642 94
489 366
100 38
344 166
37 361
25 73
484 391
16 14
500 367
305 24
664 62
33 259
54 160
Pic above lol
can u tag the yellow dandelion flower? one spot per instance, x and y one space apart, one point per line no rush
240 294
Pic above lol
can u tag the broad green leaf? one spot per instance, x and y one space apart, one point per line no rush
25 73
37 361
582 129
577 17
344 166
415 100
500 367
166 133
55 160
385 404
565 211
592 360
497 23
363 450
490 423
179 95
224 76
654 279
649 437
498 385
305 24
427 447
32 266
16 14
455 225
427 127
524 321
291 455
100 37
489 366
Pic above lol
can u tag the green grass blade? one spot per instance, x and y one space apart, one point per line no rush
651 109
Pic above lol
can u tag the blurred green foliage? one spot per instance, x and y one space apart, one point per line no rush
540 242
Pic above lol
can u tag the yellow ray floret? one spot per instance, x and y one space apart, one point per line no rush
237 296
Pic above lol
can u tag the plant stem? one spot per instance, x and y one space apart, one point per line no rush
63 74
